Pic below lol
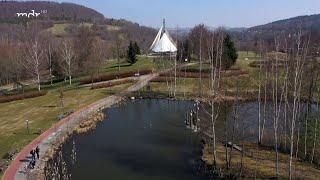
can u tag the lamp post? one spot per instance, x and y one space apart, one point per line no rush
27 123
184 80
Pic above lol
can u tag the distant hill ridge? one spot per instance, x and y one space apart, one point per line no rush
306 22
48 10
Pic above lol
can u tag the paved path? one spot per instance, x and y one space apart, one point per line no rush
17 168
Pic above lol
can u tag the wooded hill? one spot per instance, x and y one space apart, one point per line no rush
49 11
248 39
64 19
306 22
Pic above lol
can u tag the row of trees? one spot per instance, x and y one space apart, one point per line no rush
287 94
45 58
289 81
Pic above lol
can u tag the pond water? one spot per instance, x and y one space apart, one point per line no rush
148 139
142 139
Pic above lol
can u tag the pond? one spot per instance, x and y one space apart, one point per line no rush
148 139
142 139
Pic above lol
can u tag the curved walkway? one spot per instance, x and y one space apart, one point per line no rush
17 168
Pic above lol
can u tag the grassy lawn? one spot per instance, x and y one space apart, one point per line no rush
262 162
42 112
143 63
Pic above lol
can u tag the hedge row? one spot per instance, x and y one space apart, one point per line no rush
27 95
111 84
163 79
182 74
197 70
256 64
108 77
185 74
234 73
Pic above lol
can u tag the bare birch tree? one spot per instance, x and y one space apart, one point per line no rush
68 57
49 61
298 63
34 60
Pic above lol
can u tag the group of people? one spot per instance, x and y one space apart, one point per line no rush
34 155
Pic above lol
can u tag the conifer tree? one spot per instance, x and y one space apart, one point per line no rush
131 54
136 48
230 52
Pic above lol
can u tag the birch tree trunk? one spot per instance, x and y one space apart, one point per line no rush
34 60
68 56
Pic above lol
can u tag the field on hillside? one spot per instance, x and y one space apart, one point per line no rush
59 29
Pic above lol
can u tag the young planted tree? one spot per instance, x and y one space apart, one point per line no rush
50 63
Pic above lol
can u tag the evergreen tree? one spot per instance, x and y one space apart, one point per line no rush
230 53
131 54
136 48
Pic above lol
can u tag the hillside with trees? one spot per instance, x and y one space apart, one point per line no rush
71 35
49 11
306 22
248 39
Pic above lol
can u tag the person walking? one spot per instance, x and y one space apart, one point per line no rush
37 152
33 163
32 152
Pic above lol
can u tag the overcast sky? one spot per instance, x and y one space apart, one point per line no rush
187 13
